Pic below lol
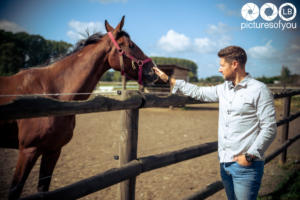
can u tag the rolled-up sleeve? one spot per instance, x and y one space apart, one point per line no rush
267 123
206 94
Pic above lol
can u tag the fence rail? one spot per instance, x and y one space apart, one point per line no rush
29 107
286 94
131 169
36 106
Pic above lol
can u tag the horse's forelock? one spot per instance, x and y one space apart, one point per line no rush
121 34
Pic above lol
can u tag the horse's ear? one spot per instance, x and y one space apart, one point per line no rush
108 27
120 25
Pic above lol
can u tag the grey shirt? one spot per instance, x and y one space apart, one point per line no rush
247 122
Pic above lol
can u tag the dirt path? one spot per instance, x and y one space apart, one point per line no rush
96 141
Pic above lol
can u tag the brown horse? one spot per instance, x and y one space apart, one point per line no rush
78 72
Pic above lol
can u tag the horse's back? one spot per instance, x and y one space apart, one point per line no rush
24 82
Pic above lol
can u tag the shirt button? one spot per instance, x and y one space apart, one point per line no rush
228 112
230 102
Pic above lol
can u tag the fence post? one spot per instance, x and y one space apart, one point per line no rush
285 127
128 147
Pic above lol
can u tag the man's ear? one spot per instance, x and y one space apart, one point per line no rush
235 64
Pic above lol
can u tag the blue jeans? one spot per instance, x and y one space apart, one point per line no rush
242 182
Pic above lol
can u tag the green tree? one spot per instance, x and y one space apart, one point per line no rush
117 76
57 49
285 75
268 80
23 50
214 79
11 58
107 76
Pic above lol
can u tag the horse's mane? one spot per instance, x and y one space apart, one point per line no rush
92 39
85 42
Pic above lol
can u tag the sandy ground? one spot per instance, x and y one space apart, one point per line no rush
96 141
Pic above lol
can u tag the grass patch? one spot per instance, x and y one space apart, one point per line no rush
295 103
288 189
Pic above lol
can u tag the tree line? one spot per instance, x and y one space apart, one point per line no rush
22 50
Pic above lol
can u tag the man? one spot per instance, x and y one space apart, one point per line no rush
247 123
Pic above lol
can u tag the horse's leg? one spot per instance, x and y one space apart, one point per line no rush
26 160
48 163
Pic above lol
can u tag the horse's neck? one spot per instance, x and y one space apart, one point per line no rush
80 72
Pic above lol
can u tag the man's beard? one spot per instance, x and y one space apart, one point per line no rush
230 77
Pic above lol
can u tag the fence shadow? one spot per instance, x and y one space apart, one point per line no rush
193 108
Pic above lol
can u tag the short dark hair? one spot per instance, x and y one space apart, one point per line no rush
231 53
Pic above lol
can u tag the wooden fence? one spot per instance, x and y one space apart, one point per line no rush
131 166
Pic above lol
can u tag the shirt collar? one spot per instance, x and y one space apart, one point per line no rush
230 85
243 83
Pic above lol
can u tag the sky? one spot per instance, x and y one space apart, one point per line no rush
189 29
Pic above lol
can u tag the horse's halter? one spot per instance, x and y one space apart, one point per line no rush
140 63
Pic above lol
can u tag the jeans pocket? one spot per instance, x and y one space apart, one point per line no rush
244 166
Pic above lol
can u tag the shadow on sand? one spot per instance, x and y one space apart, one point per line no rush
200 108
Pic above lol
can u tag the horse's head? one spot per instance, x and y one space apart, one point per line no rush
127 57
